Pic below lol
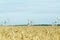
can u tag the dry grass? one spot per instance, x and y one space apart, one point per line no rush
30 33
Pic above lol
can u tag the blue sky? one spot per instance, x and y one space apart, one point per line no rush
39 11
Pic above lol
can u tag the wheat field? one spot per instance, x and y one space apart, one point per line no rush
29 33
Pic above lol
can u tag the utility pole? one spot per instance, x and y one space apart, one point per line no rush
55 22
5 22
29 22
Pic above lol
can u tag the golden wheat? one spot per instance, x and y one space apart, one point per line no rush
30 33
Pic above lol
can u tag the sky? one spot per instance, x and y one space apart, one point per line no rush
38 11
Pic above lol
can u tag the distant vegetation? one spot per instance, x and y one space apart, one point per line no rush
38 25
